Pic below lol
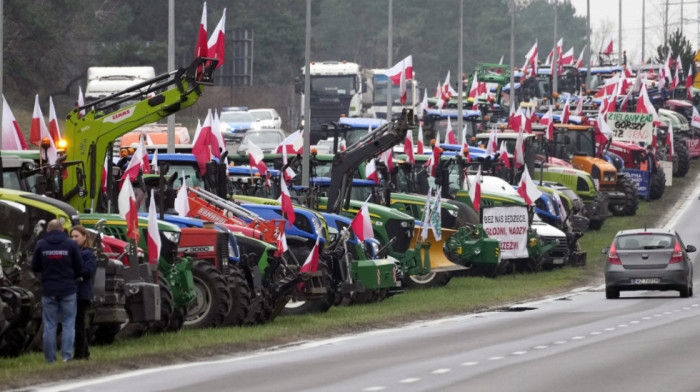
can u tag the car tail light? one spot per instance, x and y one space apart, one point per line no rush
613 258
677 255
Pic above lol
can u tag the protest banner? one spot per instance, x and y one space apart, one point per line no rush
509 225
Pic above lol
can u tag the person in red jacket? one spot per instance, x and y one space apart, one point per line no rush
60 263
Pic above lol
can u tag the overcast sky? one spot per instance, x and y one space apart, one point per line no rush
605 13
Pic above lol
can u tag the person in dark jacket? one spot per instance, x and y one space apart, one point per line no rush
60 263
81 236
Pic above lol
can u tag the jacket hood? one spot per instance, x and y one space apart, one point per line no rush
56 236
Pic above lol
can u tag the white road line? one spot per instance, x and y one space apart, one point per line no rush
676 310
634 322
658 315
495 358
667 312
609 329
409 380
686 308
622 325
540 347
519 353
578 337
469 363
374 389
646 318
560 342
596 333
695 305
441 371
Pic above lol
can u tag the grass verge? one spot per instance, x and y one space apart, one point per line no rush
461 295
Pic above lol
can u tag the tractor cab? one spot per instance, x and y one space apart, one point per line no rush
436 122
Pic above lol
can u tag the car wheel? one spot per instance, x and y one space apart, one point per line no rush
612 293
685 291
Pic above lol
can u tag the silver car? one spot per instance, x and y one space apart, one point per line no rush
648 259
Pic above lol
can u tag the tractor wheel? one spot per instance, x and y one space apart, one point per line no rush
104 334
657 184
315 306
213 300
596 211
631 201
167 308
240 292
681 158
431 279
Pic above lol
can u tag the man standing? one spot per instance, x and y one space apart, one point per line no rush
58 259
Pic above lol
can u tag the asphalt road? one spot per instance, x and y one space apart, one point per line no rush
645 341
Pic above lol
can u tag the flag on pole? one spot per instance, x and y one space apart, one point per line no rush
156 169
40 132
408 147
285 201
689 82
81 102
311 262
475 189
53 123
154 244
519 152
404 67
492 145
12 137
128 210
566 112
579 62
419 142
202 146
503 152
216 44
669 141
104 174
426 215
200 49
451 139
423 104
527 189
607 48
182 203
282 244
256 157
371 171
436 216
362 224
402 87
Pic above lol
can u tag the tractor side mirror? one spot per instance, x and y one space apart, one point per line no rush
690 249
605 250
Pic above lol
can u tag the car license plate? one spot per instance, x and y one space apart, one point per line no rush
646 280
557 261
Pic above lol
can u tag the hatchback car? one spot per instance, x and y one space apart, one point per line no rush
648 259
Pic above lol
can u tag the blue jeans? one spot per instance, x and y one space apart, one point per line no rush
53 307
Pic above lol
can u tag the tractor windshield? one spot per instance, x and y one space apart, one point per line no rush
574 143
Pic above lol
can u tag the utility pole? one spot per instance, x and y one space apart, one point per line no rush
666 25
512 56
460 88
307 99
644 3
590 47
389 60
171 66
681 16
619 33
555 57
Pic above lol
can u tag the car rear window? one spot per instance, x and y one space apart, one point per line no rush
644 241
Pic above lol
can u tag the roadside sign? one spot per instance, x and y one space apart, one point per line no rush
508 225
631 127
641 179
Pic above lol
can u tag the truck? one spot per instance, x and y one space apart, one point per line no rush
338 88
105 81
380 92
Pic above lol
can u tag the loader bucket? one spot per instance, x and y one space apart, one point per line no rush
438 261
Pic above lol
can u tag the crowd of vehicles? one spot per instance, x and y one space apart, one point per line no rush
234 254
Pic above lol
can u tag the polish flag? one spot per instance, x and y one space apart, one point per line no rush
548 120
81 102
527 189
145 165
644 104
423 104
568 57
607 48
156 170
465 146
531 60
669 141
562 210
566 112
154 244
201 49
371 171
435 158
492 145
53 123
182 203
679 64
408 147
256 156
420 147
285 201
282 246
311 262
217 41
579 106
695 120
12 137
474 88
288 172
197 131
450 136
128 210
104 174
475 190
426 215
438 91
519 152
689 82
404 67
628 73
216 132
440 97
388 158
135 164
503 151
362 224
293 142
579 62
604 129
202 146
625 101
402 88
40 131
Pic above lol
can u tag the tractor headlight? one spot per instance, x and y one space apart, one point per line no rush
454 213
404 224
532 242
317 226
172 236
550 207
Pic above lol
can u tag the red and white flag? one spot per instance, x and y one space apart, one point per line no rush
285 201
216 46
689 82
404 67
423 104
154 163
362 224
562 210
579 62
182 203
568 57
388 158
256 158
201 49
371 171
676 80
216 131
81 102
492 145
40 132
135 164
531 61
566 112
625 101
402 88
145 165
644 104
420 147
154 244
202 146
695 120
669 141
104 174
465 146
527 189
53 123
475 190
607 47
12 137
579 105
311 262
503 154
128 211
282 246
293 142
519 152
450 136
408 147
548 120
288 172
474 88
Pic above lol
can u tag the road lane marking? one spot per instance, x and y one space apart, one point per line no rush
495 358
374 389
519 353
646 318
634 322
596 333
667 312
540 347
559 342
469 363
695 305
441 371
609 329
658 315
578 337
685 308
409 380
622 325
